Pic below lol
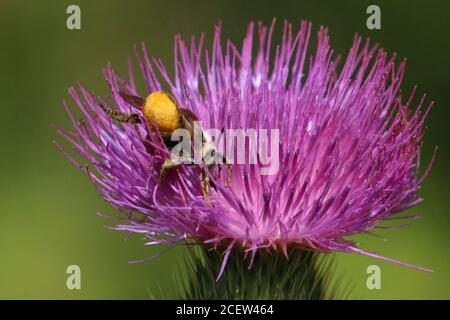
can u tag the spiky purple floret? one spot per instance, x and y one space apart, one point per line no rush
349 153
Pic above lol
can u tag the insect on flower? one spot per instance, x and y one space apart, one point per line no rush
164 114
349 143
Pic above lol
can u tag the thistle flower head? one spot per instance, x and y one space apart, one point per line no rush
348 151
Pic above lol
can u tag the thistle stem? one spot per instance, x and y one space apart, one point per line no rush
271 276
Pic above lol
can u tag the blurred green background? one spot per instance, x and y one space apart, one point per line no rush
47 206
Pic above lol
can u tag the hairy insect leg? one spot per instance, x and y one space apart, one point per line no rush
120 116
229 173
228 165
167 165
225 161
204 181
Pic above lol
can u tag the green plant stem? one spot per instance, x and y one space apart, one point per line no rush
271 276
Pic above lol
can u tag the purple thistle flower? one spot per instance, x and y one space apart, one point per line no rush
349 144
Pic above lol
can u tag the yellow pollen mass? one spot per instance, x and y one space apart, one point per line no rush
159 108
